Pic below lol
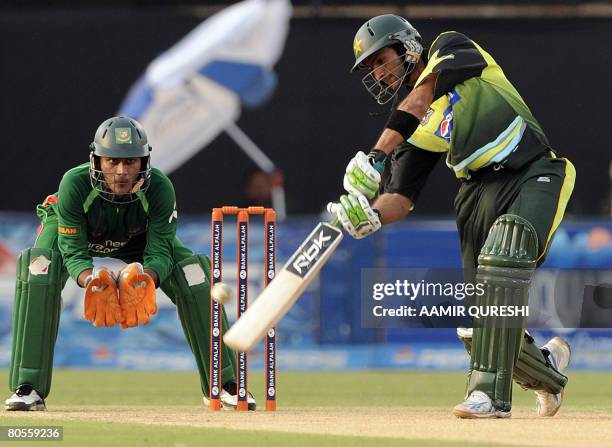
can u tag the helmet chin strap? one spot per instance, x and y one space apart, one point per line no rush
418 57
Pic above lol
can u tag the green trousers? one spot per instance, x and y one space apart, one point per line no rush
539 193
530 204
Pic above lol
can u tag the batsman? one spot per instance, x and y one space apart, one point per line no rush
514 190
116 206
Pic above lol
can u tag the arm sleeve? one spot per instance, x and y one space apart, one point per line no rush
455 59
410 167
72 227
161 231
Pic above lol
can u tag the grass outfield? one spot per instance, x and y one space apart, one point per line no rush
100 408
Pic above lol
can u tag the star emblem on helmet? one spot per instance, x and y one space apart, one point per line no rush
357 46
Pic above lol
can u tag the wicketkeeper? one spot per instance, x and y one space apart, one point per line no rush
514 190
116 206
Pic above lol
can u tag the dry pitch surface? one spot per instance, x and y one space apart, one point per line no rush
570 428
585 419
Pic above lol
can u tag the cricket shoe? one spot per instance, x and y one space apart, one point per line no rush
229 398
478 406
547 404
25 398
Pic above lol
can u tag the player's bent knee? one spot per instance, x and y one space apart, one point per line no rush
39 283
507 259
39 266
512 243
192 277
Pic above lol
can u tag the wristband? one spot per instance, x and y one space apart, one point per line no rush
156 280
88 278
403 123
377 155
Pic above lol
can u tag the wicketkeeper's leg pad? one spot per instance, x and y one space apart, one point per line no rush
533 369
505 267
36 318
188 286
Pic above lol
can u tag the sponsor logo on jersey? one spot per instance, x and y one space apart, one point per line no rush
446 126
106 247
66 230
123 135
311 251
39 266
543 179
453 97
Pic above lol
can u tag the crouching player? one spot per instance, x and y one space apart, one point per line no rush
114 206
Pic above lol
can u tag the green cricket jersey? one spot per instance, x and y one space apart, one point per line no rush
90 226
477 117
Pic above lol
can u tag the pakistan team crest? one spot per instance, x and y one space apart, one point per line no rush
123 135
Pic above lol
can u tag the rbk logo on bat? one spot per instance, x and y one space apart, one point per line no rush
312 249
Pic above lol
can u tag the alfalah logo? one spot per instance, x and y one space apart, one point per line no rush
243 250
216 246
271 254
310 254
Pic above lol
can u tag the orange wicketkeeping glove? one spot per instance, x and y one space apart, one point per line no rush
136 295
101 299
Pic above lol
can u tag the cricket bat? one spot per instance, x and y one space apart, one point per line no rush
288 284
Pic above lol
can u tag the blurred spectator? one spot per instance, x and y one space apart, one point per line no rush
257 188
599 238
8 260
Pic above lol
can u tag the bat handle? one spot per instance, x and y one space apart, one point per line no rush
379 166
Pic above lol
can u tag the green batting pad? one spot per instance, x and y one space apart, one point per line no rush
532 371
36 318
505 267
188 286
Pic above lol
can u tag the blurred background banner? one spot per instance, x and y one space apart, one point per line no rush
324 330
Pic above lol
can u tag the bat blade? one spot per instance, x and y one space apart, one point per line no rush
288 285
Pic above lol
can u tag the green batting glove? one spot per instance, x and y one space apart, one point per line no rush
361 177
356 215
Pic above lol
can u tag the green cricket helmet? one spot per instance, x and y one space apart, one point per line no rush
388 30
120 137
